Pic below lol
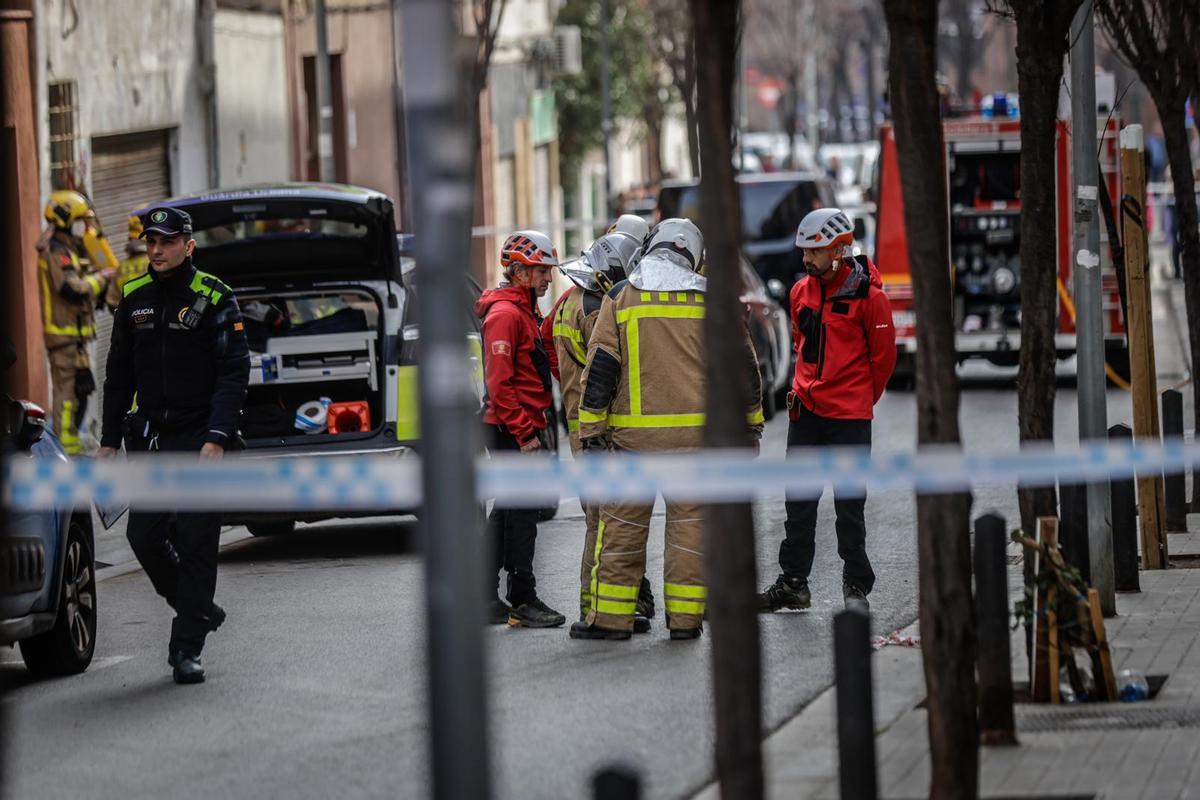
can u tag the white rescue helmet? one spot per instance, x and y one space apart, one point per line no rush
610 256
631 224
823 228
679 236
527 249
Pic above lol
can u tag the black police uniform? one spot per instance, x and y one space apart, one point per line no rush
178 342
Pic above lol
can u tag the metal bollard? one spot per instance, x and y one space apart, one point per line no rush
616 782
1072 528
993 658
1174 484
1124 525
855 705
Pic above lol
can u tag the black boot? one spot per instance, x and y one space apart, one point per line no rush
581 630
187 668
534 614
785 593
497 612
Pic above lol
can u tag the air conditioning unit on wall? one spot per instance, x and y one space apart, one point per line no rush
568 50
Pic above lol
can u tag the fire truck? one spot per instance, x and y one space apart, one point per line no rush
983 182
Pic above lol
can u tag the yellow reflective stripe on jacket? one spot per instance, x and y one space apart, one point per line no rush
660 311
586 416
135 284
685 590
69 330
655 420
575 337
573 426
633 338
755 417
408 404
94 282
684 607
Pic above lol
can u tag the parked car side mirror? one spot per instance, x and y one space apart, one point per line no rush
28 423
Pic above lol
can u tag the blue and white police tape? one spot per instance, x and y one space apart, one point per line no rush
386 483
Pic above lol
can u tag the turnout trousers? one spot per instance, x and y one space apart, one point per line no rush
799 544
619 564
179 551
68 410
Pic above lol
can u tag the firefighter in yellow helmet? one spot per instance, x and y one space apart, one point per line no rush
70 291
136 263
644 387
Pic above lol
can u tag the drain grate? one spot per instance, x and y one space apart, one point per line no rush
1107 717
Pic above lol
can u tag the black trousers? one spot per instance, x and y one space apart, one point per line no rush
799 543
512 533
179 553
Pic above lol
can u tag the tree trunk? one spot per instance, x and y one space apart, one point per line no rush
1178 156
791 117
1039 72
946 607
728 528
654 120
690 117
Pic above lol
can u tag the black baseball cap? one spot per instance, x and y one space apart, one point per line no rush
167 221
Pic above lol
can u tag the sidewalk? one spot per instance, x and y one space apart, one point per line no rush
1117 751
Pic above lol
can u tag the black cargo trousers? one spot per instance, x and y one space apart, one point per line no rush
178 550
799 544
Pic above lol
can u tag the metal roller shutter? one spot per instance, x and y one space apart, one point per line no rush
128 171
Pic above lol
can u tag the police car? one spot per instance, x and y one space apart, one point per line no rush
326 294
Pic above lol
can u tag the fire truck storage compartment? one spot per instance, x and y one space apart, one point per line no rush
305 346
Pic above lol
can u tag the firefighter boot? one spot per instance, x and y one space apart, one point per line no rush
645 608
581 630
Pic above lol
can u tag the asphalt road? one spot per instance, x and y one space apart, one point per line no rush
317 686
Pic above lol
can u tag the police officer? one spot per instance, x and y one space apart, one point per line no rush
70 290
178 342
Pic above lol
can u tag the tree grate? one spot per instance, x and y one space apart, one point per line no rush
1107 717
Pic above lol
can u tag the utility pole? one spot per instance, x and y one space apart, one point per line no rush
1089 328
606 123
327 169
810 80
440 160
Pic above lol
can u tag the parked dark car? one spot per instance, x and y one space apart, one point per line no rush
773 203
47 562
772 337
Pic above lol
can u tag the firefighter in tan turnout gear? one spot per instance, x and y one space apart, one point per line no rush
644 390
70 291
567 330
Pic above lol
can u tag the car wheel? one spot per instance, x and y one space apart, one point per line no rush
277 527
67 648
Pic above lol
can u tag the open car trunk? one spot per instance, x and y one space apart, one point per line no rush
307 346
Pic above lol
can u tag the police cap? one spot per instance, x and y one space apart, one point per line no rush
167 221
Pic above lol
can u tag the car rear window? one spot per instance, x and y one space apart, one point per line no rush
770 209
279 230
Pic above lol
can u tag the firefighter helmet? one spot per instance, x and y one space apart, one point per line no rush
528 249
66 207
631 224
135 227
677 236
823 228
610 256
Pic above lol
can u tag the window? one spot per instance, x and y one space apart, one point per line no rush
64 110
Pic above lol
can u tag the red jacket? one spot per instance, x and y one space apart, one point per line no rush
844 340
516 367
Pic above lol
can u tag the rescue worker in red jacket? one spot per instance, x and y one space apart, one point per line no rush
846 349
518 379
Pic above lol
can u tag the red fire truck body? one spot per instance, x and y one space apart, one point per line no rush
983 184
